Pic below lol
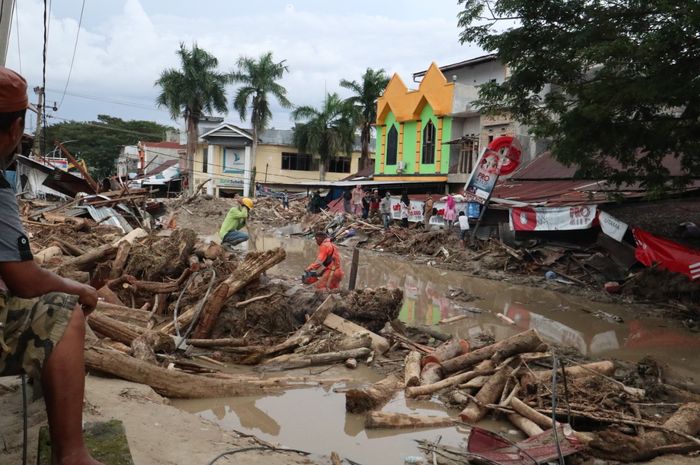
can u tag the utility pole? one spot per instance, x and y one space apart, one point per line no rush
39 91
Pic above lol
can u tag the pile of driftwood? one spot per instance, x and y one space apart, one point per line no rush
270 211
507 379
172 307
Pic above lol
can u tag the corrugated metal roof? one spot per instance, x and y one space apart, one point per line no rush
107 215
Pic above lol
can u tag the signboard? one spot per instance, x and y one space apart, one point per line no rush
415 211
502 156
612 226
234 161
552 219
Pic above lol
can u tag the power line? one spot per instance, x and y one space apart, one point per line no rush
75 48
19 49
107 126
110 100
43 76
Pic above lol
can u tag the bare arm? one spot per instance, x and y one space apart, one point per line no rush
27 280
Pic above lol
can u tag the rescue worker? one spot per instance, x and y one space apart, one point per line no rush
42 315
327 263
230 232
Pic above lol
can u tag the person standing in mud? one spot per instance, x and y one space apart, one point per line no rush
285 199
385 210
405 203
42 315
357 196
327 264
374 204
450 214
236 218
428 210
347 201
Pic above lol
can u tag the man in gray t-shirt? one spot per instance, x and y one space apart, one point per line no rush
42 315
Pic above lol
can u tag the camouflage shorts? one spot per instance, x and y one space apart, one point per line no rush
29 329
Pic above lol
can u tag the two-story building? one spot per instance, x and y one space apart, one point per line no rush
224 154
435 133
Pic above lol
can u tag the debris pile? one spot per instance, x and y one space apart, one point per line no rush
270 211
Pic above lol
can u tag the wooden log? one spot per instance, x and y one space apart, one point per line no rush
89 259
249 270
433 332
109 296
68 248
373 396
226 342
525 425
122 313
113 329
431 374
488 394
527 341
476 383
120 260
446 351
174 383
404 420
340 324
484 369
47 254
301 361
210 251
355 341
606 368
520 407
412 370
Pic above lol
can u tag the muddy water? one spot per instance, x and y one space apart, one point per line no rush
315 419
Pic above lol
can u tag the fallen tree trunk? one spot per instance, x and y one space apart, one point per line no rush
488 394
249 270
525 425
373 396
174 383
520 407
606 368
119 312
446 351
431 374
527 341
113 329
47 254
485 368
226 342
405 420
287 362
412 370
120 260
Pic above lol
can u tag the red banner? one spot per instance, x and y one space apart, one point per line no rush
669 255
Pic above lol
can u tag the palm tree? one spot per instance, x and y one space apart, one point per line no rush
191 91
259 78
326 131
364 101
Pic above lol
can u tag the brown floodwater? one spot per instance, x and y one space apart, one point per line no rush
315 419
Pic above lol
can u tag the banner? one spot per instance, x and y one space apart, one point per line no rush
669 255
552 218
502 156
415 211
612 226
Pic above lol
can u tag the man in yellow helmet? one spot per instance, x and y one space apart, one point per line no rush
236 218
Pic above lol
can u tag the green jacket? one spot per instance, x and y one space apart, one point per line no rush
235 220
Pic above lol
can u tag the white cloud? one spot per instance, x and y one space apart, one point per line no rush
120 58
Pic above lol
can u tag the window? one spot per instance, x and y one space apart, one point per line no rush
339 165
392 145
468 155
205 159
299 162
428 157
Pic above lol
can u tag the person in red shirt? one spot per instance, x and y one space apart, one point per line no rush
328 261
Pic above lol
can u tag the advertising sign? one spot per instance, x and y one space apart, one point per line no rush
502 156
552 218
612 226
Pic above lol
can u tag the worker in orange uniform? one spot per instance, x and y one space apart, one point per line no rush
329 259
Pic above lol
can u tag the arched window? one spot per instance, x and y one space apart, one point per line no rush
392 144
428 157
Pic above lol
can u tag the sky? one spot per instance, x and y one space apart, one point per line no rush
124 45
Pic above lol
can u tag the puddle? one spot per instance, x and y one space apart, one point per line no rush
315 419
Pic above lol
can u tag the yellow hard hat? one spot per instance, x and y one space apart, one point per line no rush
247 202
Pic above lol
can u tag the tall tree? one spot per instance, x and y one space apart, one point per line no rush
326 131
99 142
259 78
613 83
191 91
366 92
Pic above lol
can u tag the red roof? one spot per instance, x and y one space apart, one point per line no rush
164 145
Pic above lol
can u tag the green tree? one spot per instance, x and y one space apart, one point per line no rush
364 100
325 132
613 83
99 142
191 91
259 78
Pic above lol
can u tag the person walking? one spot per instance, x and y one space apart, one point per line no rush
327 262
405 204
236 218
463 229
285 199
357 196
450 214
428 210
385 210
42 315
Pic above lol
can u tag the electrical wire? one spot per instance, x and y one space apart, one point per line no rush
43 77
25 422
200 306
110 100
75 48
19 49
246 449
554 408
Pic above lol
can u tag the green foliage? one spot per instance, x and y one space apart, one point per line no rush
259 78
364 101
327 131
613 83
99 142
